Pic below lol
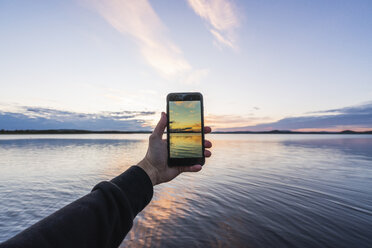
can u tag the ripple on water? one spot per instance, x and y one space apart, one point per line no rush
255 191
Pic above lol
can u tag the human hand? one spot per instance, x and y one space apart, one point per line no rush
155 163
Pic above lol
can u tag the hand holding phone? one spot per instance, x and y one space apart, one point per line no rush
155 163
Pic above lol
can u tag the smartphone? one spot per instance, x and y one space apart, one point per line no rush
185 129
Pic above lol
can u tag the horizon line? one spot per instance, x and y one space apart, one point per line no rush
83 131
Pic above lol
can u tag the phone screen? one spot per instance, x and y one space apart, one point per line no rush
185 129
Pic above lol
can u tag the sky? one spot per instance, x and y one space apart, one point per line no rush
108 65
184 116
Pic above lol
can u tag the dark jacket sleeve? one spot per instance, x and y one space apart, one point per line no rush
101 218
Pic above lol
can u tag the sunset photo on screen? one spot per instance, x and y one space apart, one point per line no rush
185 129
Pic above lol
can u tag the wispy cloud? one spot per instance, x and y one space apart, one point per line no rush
354 117
139 20
47 118
222 19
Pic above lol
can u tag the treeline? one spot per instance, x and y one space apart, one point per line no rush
74 131
295 132
65 131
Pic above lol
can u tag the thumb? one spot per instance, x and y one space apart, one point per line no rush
160 127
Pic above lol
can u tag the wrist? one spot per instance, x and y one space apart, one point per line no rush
149 169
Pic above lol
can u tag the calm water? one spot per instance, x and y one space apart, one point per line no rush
255 191
186 145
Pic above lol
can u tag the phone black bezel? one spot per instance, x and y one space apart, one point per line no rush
186 96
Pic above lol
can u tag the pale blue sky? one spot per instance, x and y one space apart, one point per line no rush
263 60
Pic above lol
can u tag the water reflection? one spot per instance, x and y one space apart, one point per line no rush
185 145
155 224
261 191
352 146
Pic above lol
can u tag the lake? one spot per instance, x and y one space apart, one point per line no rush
257 190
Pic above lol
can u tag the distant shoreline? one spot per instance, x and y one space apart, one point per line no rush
73 131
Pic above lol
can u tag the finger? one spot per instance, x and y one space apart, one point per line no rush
207 144
160 127
207 129
194 168
207 153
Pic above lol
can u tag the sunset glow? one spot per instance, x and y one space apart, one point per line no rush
184 116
